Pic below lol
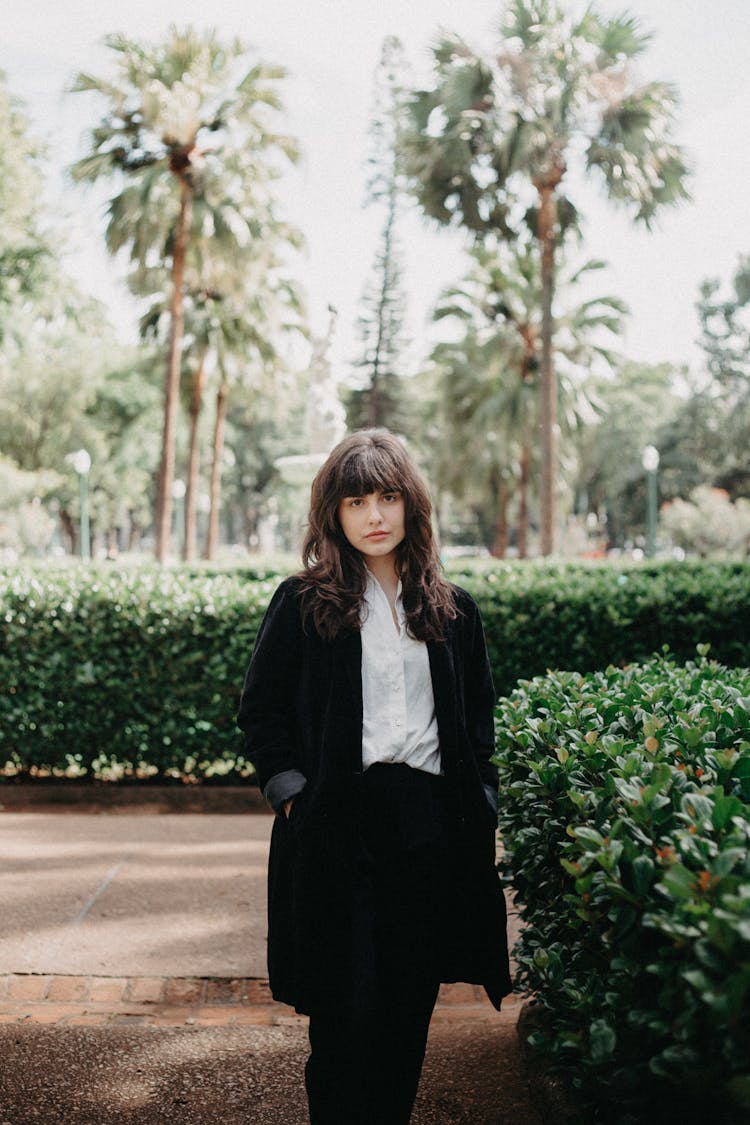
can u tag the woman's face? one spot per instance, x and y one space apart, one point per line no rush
373 524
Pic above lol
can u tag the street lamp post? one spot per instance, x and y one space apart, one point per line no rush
81 462
650 462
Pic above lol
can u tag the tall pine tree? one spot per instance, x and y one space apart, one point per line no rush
376 399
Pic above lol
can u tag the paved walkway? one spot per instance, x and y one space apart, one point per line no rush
133 990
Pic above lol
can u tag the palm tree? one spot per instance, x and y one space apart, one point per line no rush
232 313
488 147
492 371
482 415
245 338
234 238
176 113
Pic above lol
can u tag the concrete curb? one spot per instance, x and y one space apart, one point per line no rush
127 797
96 1001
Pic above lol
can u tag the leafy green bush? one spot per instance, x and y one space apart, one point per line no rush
583 617
139 670
625 814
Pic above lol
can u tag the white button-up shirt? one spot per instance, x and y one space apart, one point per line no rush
398 722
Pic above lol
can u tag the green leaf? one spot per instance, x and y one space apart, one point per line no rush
643 874
602 1039
678 882
724 809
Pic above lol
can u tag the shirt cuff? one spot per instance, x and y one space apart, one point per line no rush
491 795
284 786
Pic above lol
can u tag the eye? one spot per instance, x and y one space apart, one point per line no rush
391 497
353 502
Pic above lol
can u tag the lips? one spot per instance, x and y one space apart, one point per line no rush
377 535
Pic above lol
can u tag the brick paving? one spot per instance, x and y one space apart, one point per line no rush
91 1001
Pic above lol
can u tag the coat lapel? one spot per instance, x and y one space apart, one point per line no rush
349 653
444 691
347 658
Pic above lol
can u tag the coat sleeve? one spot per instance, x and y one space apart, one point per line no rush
266 713
480 698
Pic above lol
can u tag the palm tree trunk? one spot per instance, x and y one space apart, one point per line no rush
134 533
172 379
502 491
191 492
523 500
547 234
218 449
69 529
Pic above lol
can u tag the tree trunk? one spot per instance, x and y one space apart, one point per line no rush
500 547
134 533
69 529
191 492
374 411
547 234
172 379
523 501
218 449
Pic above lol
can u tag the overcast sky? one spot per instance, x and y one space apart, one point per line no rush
331 48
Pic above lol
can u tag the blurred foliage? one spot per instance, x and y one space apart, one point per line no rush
709 524
635 402
706 441
470 415
25 249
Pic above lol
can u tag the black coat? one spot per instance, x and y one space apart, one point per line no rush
301 709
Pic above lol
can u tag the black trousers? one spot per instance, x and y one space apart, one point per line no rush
364 1066
367 1050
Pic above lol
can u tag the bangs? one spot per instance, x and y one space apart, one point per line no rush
369 469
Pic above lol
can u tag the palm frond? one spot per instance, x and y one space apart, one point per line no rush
89 83
621 37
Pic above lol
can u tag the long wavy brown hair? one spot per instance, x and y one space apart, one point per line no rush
333 581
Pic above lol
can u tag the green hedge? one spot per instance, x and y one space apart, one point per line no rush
584 617
139 669
625 815
143 667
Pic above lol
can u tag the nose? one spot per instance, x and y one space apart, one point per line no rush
374 514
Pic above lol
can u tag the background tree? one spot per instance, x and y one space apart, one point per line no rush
261 428
704 439
376 402
637 402
25 251
709 524
126 413
491 372
494 137
222 279
177 111
251 325
725 340
65 384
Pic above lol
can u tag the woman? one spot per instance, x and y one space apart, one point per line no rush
368 710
